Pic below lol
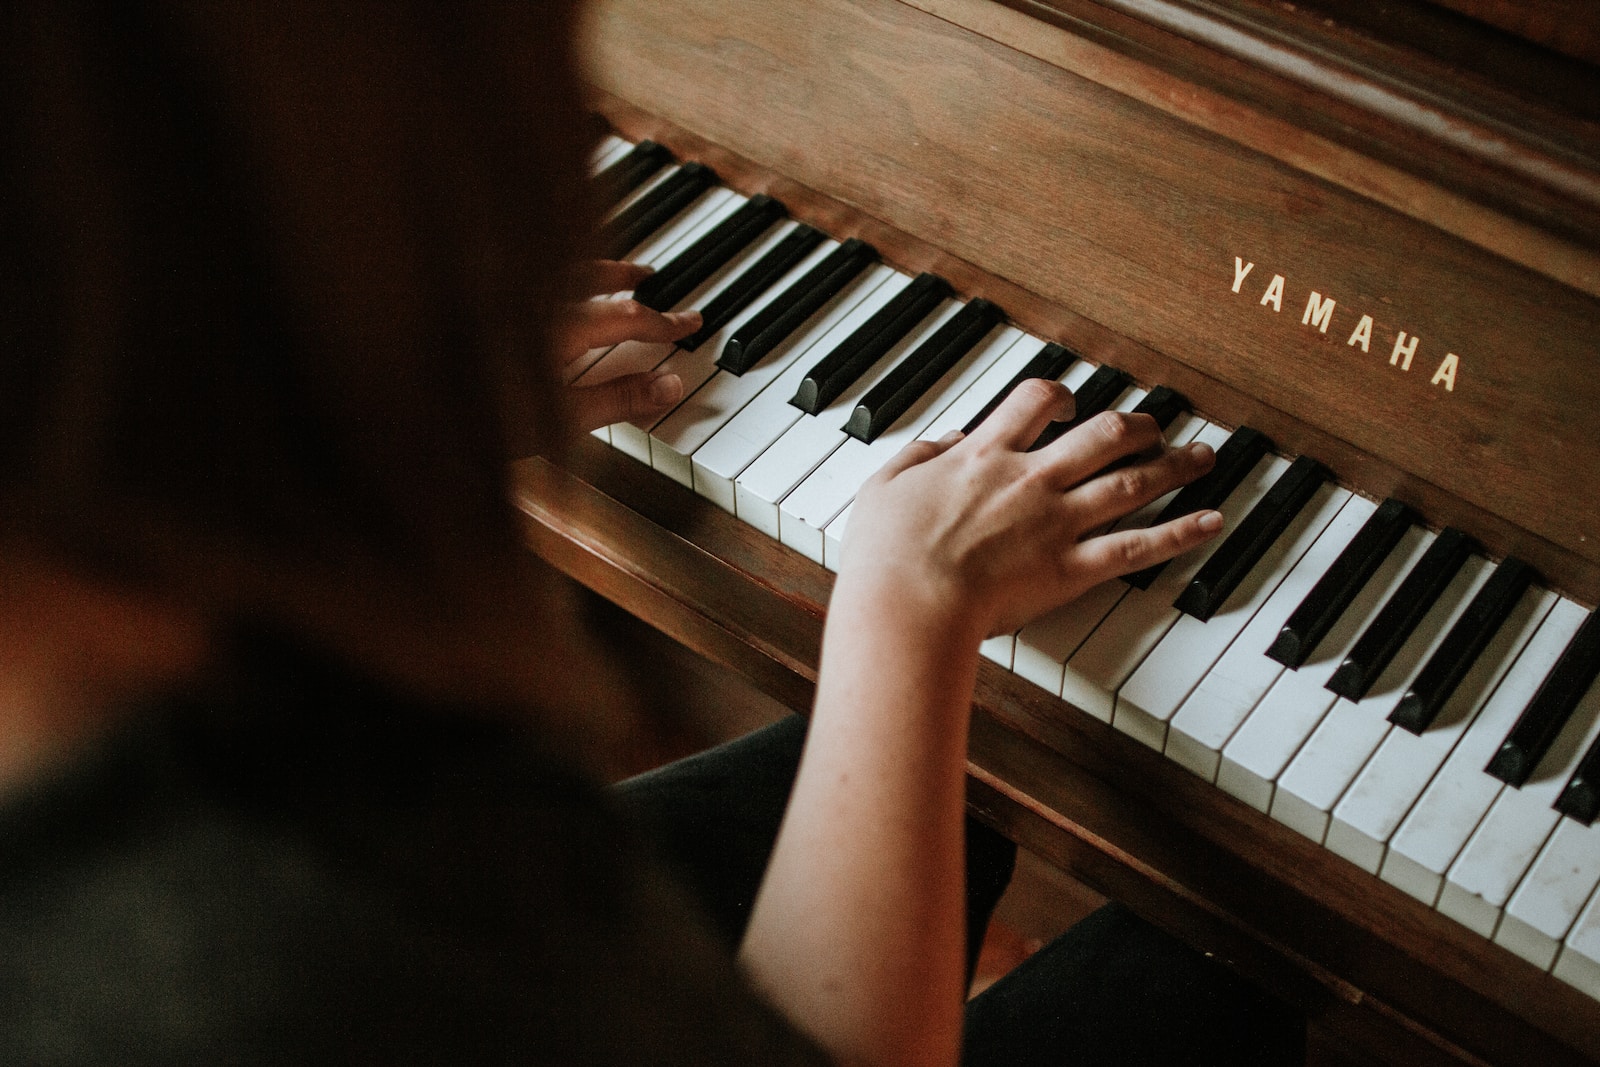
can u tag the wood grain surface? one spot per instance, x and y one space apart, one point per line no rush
1133 219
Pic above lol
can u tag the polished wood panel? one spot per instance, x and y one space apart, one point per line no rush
1133 218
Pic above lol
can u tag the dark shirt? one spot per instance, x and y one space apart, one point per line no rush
310 869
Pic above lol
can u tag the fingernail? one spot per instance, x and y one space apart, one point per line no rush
666 389
1200 450
686 318
952 437
1211 521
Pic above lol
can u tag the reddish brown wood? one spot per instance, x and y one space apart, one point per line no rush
1231 406
1479 112
1567 26
1366 960
1131 220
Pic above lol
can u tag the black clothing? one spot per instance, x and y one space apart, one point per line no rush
1113 991
312 870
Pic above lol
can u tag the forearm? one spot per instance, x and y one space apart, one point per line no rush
858 929
858 932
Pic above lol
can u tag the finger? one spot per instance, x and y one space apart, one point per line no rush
611 276
599 323
626 399
1097 444
1019 420
1125 551
917 452
1109 495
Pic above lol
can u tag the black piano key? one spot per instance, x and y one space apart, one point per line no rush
1438 679
1221 574
760 276
1088 400
914 375
851 358
1396 620
1581 798
613 184
1163 405
1235 459
1541 721
767 328
1334 591
651 211
690 268
1050 363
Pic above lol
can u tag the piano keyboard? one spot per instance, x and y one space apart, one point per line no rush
1384 690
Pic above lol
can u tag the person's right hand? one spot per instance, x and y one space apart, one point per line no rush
983 534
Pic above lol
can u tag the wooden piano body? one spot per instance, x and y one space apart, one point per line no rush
1377 242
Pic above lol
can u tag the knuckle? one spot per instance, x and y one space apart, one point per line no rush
1175 537
1115 427
1039 391
1130 482
1132 552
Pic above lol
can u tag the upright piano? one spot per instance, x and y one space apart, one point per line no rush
1357 247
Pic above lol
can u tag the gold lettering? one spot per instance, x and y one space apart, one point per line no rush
1319 312
1363 334
1274 293
1241 270
1403 350
1446 373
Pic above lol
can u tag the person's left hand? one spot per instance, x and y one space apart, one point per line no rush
598 323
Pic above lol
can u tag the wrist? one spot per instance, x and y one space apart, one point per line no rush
915 610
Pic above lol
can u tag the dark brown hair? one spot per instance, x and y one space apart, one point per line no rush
275 282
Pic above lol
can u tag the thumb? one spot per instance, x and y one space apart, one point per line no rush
633 396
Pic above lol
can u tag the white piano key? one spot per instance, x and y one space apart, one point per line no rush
1292 708
825 492
1547 901
1143 616
809 440
610 149
1400 770
1503 847
695 367
1151 696
768 414
1237 682
998 649
1045 644
1455 801
1579 962
1351 732
833 538
705 410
